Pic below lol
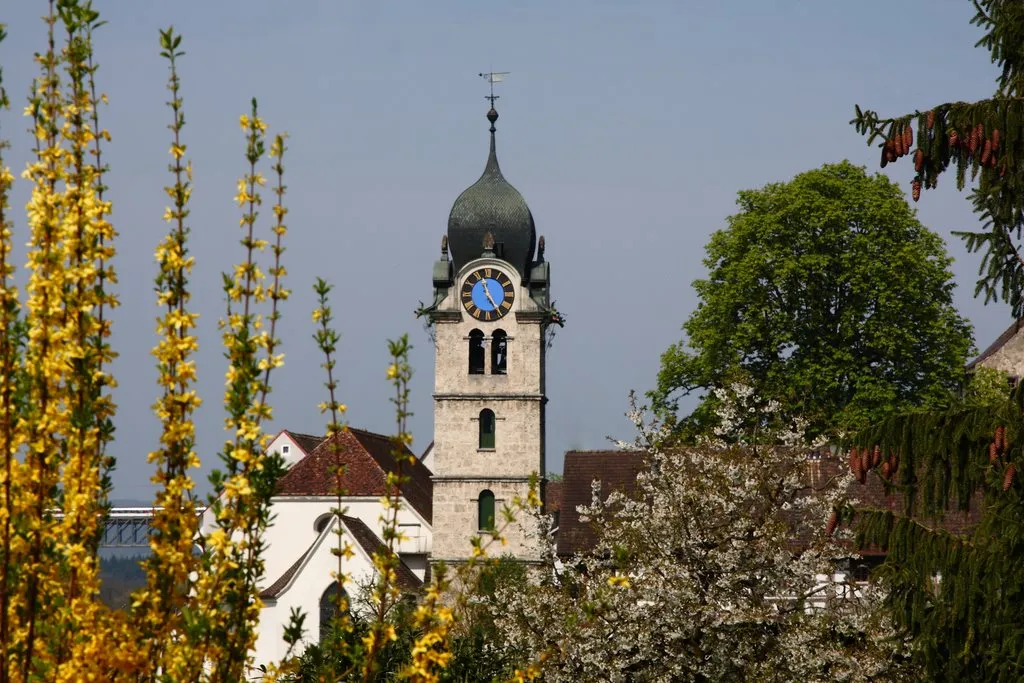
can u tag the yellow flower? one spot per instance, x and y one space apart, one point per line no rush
618 581
393 371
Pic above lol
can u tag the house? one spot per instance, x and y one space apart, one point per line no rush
298 564
1005 354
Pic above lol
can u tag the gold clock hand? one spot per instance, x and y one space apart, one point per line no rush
487 291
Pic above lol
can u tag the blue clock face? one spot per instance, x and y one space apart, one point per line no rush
487 294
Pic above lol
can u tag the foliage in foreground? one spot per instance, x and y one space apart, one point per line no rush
960 595
695 576
827 294
195 618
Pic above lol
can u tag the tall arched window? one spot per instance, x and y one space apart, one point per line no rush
499 352
329 607
485 511
476 352
486 428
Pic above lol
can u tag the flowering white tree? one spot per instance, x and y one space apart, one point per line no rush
718 566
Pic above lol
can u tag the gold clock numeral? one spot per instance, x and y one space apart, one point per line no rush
487 272
467 294
487 315
506 304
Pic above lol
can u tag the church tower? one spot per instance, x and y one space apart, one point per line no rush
490 314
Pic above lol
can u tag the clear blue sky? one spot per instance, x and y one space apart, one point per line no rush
628 127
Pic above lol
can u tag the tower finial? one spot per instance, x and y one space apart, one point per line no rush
493 77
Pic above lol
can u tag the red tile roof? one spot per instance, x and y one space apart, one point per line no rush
616 470
552 496
307 442
366 459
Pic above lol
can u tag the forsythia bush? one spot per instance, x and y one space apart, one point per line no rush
195 618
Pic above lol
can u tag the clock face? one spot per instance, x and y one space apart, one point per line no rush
488 294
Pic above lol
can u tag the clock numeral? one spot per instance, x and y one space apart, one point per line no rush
467 294
487 272
487 315
506 304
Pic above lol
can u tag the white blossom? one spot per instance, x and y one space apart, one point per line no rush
716 567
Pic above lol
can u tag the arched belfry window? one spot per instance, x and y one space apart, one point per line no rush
485 511
329 607
486 428
499 352
476 352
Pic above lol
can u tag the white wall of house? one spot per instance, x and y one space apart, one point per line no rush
295 522
286 446
304 591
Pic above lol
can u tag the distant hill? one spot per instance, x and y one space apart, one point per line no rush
119 577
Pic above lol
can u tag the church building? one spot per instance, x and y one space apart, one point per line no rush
490 315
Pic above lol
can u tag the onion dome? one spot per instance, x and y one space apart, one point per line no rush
492 205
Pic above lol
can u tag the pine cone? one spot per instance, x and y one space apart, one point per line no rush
1011 470
931 119
918 159
908 139
1000 439
993 453
886 470
954 140
995 139
986 152
876 457
894 463
915 189
854 459
865 461
833 522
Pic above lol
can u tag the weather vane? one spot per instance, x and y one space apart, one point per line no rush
493 77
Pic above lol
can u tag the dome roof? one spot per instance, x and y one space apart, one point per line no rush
492 205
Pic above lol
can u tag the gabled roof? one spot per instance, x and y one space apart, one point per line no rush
366 459
616 470
370 543
307 442
367 540
1001 341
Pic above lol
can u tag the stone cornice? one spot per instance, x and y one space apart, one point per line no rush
536 317
446 316
485 396
534 561
480 478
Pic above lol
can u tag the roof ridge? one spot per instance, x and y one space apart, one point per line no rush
1000 341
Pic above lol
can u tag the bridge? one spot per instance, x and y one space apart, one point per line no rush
129 527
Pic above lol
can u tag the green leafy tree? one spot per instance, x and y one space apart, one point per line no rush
961 595
824 293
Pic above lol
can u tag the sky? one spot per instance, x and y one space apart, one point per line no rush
628 128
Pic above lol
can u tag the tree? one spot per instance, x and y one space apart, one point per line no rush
827 294
960 595
695 577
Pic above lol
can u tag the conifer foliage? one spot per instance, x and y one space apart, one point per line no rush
961 595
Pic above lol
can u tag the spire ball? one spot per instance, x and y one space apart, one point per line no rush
492 116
